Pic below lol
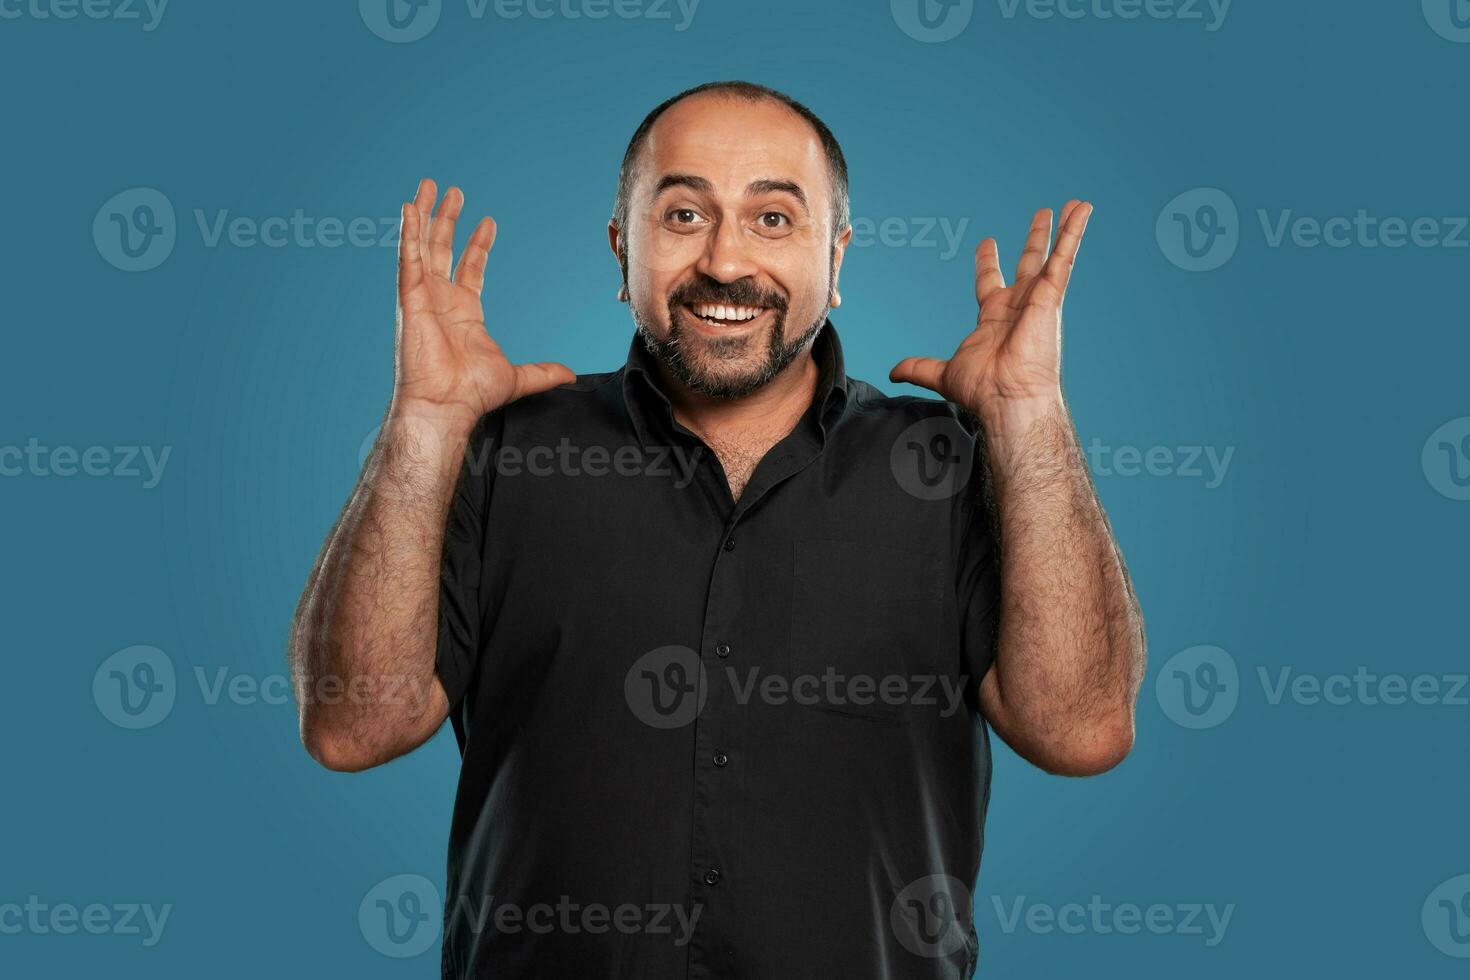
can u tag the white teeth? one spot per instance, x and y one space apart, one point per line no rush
718 311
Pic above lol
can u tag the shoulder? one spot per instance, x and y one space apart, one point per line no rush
869 406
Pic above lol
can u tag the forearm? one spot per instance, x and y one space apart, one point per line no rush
363 641
1070 649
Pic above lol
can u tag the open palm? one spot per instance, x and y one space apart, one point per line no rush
447 365
1014 353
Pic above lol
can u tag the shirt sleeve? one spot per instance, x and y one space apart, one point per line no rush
461 612
977 581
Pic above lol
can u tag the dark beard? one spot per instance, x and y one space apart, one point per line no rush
779 355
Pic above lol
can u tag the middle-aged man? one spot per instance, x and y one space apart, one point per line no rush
720 632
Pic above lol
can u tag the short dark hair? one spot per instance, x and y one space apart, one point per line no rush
751 92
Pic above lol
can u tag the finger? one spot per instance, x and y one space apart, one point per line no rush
471 269
543 376
1033 255
424 202
988 277
1066 212
1058 269
441 233
410 258
926 372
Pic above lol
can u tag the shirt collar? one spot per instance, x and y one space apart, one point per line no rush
645 400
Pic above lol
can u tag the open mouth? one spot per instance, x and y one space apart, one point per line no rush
725 314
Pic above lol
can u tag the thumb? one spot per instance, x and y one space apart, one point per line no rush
532 379
926 372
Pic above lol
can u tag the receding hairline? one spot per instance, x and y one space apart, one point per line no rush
750 92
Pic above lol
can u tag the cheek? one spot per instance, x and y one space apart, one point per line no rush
661 257
804 278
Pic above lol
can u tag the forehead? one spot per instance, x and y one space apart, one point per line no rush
732 141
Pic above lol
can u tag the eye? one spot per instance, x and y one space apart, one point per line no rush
773 220
684 216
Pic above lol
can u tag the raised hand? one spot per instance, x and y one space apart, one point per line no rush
1013 358
447 368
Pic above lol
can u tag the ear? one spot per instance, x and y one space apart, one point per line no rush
839 249
614 241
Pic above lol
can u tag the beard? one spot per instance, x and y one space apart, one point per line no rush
712 366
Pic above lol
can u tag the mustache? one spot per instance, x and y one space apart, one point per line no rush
741 292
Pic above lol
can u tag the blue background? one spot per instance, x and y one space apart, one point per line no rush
1325 548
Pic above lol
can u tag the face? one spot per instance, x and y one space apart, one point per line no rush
728 256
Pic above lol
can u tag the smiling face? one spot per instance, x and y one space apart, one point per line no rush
728 252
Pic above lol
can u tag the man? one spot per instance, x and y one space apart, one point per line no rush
721 632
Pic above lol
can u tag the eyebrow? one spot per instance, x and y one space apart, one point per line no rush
755 187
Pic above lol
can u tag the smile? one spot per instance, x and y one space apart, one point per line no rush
724 314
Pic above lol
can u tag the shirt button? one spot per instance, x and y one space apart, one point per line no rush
723 650
721 759
729 544
711 877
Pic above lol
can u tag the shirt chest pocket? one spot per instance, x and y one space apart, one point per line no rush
866 625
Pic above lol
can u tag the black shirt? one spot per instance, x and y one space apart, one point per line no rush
707 738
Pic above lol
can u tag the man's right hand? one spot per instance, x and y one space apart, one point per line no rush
448 371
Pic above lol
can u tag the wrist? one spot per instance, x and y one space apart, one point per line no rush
1012 418
424 444
434 421
1013 424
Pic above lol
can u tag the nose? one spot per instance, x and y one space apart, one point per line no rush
726 256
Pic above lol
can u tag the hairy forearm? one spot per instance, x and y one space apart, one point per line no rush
362 644
1070 653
